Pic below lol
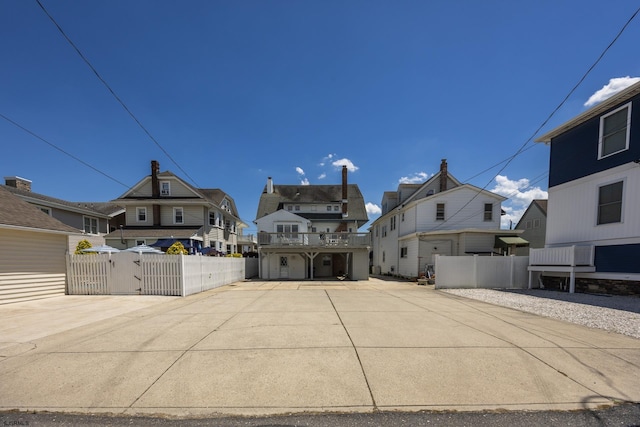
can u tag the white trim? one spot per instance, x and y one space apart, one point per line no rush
622 203
175 208
628 130
138 214
168 191
97 233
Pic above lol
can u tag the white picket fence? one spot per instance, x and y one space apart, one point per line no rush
128 273
490 272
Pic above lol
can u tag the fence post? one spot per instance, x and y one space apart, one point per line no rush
182 278
475 271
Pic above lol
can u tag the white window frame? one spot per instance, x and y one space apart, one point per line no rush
175 215
488 214
91 224
165 191
212 218
621 219
444 212
143 210
403 252
601 139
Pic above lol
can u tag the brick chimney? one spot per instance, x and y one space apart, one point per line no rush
443 175
345 196
17 182
155 191
155 185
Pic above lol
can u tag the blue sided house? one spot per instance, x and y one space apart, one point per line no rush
593 214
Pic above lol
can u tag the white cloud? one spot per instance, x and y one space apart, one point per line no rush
614 86
299 170
322 175
326 159
520 194
345 162
416 178
373 209
304 181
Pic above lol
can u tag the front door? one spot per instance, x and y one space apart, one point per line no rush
284 267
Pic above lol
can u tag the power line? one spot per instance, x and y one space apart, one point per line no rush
544 123
79 160
113 92
63 151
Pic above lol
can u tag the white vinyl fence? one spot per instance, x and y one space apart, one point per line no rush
490 272
128 273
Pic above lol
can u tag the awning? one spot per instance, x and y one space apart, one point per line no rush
510 241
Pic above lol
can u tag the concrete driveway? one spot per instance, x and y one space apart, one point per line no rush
257 348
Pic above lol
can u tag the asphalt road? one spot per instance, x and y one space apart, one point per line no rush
627 415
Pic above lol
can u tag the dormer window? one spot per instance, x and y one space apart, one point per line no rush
614 131
165 188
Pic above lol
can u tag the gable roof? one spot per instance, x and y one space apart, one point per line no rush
541 204
595 111
307 194
214 196
16 213
103 210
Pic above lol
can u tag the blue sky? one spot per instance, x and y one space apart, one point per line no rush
237 91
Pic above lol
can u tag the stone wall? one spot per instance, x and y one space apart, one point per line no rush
593 286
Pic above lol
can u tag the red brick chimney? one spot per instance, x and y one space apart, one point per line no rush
345 196
443 175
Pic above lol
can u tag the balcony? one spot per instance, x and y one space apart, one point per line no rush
572 256
566 259
315 240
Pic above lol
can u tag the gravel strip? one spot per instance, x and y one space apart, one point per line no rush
612 313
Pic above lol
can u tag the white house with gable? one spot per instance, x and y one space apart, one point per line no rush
442 216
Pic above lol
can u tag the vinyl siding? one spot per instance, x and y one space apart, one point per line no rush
469 216
192 215
574 154
408 266
32 265
572 210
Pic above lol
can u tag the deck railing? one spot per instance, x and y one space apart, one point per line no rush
327 240
564 255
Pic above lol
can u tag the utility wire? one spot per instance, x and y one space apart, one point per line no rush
77 159
113 92
63 151
544 123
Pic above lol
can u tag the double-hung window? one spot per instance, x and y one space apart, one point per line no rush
488 211
614 131
141 214
178 216
440 212
610 203
90 225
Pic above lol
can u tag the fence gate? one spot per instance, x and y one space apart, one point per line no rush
126 276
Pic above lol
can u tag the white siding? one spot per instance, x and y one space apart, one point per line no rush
409 265
573 208
407 226
32 265
192 215
469 216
